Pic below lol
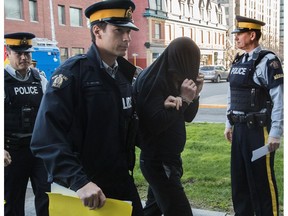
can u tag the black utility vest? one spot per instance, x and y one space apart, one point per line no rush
22 101
246 95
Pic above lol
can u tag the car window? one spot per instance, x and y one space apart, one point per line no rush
207 68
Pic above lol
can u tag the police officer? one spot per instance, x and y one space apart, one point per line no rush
24 89
83 131
255 119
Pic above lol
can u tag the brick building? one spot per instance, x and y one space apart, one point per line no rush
160 21
67 25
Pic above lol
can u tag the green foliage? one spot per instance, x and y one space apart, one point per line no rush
206 164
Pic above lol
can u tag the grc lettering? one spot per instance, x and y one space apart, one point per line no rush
127 102
26 90
239 71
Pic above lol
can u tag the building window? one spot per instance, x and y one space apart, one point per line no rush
158 4
61 15
76 51
171 6
157 31
63 54
192 34
76 17
13 9
155 56
169 33
201 36
33 10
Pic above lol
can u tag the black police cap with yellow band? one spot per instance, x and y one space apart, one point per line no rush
114 12
19 41
244 24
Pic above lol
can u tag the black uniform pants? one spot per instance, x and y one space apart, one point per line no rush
24 166
122 188
165 193
254 189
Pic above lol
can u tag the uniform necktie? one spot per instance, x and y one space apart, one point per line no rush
246 56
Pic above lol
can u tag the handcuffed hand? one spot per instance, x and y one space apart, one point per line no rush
173 102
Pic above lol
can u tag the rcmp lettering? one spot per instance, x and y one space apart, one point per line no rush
26 90
127 102
240 71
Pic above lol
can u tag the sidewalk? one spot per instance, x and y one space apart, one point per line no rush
30 210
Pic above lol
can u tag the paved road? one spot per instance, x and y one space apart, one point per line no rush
213 102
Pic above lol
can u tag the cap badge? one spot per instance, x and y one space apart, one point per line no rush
24 41
128 13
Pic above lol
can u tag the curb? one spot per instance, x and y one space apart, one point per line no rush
220 106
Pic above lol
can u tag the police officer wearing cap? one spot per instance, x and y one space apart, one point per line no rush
24 89
254 119
83 127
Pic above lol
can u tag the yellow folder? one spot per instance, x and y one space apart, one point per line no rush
65 202
72 206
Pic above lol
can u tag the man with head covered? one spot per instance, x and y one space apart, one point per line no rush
167 96
84 118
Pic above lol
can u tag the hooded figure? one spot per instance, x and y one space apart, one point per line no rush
179 60
166 95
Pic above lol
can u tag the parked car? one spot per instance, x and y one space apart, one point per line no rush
215 73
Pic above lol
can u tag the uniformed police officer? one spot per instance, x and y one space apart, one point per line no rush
255 119
83 122
24 89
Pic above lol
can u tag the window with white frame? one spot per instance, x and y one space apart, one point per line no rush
61 15
157 31
77 50
33 10
158 4
63 54
76 17
13 9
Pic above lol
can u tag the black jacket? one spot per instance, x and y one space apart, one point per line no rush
81 127
162 132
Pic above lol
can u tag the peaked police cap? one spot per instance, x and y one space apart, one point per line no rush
114 12
19 41
244 24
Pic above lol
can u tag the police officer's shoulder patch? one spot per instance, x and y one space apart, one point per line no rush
275 72
63 76
58 80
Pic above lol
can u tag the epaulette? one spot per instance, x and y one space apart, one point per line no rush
258 56
35 74
69 63
62 75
